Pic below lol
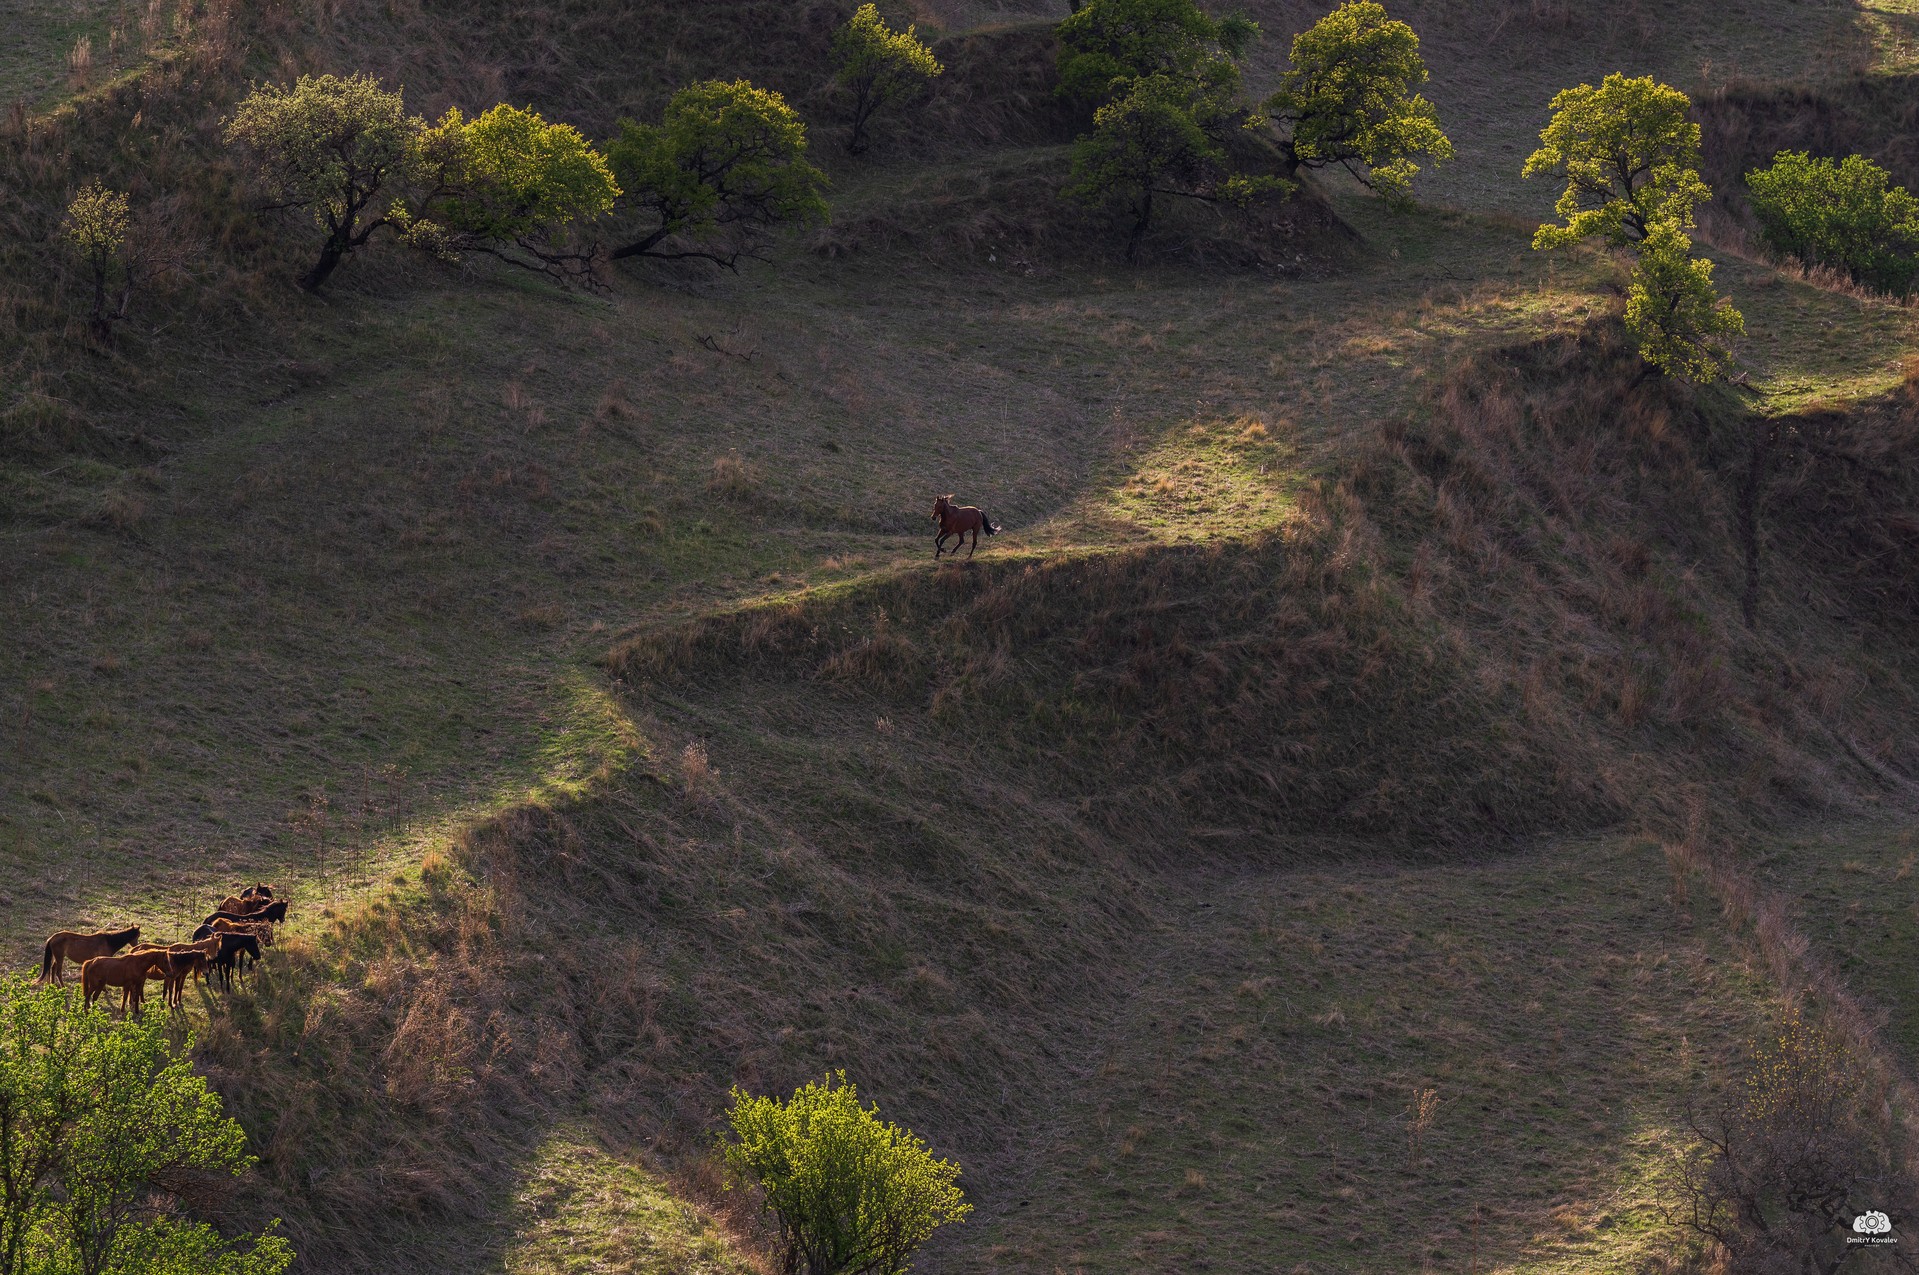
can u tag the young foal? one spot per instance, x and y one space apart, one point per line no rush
957 520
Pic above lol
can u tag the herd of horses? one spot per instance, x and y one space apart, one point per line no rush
243 924
223 945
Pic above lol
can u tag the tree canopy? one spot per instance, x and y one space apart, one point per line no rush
880 67
853 1194
97 1119
1846 214
1629 153
1148 143
726 156
1107 46
339 146
509 183
1351 98
96 227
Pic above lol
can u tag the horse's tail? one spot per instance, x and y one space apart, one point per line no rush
46 962
986 524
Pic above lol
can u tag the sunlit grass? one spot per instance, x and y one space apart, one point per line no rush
583 1210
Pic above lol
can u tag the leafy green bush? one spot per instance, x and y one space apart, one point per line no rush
100 1123
726 157
1680 324
853 1194
1351 99
880 67
1845 214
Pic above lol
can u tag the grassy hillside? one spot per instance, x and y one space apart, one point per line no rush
1363 627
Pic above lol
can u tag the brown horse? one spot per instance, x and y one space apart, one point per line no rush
184 960
244 904
258 929
71 945
957 520
128 973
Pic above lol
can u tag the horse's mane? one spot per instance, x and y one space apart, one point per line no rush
128 935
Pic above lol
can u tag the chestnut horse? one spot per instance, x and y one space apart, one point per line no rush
71 945
184 960
957 520
128 973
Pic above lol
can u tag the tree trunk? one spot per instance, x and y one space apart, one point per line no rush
863 108
1142 220
639 247
98 319
330 258
1749 497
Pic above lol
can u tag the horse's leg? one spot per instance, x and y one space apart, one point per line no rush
939 544
969 552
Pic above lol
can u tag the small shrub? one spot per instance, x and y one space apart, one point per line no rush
1783 1166
733 477
96 227
853 1194
1844 214
697 776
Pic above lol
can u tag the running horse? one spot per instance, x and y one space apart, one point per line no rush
957 520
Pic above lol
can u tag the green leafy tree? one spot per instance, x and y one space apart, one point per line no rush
1680 324
1107 46
1151 143
510 184
339 146
727 158
1629 153
1846 214
100 1123
880 67
1351 98
853 1194
96 227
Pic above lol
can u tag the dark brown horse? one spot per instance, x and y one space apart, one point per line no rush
128 973
71 945
275 912
244 904
957 520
